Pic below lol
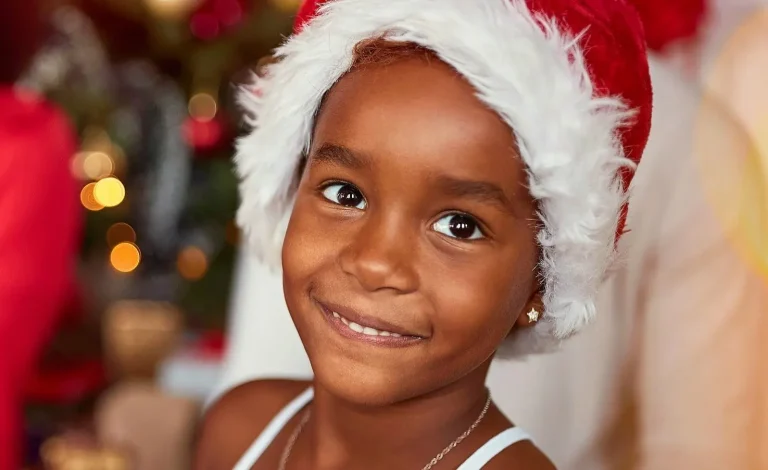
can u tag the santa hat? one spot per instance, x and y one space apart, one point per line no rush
570 78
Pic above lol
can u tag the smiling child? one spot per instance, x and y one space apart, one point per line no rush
445 181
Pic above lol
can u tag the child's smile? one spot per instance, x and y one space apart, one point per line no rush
411 251
351 324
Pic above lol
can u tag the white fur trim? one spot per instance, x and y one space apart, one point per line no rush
566 136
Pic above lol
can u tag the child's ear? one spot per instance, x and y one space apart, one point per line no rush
531 312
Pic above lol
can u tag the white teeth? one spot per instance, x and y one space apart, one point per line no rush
366 330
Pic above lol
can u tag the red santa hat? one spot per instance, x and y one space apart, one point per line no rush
569 77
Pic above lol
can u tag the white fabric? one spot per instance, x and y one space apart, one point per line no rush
475 462
262 341
273 429
494 447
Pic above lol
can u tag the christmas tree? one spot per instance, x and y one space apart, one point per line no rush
150 86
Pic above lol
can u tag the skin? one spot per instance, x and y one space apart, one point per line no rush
398 152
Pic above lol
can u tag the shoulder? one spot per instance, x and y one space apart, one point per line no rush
523 455
231 425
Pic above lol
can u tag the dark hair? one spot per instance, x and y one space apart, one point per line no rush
380 51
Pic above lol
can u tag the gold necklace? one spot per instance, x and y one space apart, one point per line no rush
292 440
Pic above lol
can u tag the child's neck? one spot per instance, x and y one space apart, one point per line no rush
403 435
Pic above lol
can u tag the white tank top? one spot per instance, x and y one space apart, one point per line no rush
475 462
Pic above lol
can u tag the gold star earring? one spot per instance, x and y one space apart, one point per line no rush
533 315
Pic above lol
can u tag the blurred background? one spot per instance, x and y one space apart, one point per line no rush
148 88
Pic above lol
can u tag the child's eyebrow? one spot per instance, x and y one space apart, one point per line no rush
339 155
482 191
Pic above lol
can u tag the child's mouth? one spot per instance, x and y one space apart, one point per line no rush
362 329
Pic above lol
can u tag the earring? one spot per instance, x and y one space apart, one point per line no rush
533 315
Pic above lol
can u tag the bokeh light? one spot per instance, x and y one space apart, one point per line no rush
192 263
120 232
97 165
204 26
125 257
88 199
109 192
203 107
171 8
733 156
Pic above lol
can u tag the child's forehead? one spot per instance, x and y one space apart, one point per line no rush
414 99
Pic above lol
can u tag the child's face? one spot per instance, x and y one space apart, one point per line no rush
412 217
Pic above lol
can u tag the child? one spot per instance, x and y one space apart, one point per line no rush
446 179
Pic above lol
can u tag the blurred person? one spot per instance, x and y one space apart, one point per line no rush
39 221
449 208
671 377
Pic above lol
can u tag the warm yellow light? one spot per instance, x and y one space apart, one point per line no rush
737 186
109 192
120 232
125 257
54 451
192 263
171 8
97 165
203 107
88 199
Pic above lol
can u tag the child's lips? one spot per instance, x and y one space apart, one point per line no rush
371 329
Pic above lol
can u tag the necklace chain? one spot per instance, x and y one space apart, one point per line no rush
295 435
292 441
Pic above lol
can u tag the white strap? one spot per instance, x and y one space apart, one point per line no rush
272 430
493 447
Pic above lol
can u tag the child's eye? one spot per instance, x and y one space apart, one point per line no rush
345 194
460 226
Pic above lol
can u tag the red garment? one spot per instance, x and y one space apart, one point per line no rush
39 232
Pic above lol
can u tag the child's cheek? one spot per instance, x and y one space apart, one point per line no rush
311 242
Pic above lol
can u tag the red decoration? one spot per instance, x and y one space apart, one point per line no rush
66 383
204 26
210 345
670 21
215 17
204 136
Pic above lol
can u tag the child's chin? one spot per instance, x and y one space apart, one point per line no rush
365 386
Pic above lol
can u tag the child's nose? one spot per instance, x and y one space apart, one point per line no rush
383 254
